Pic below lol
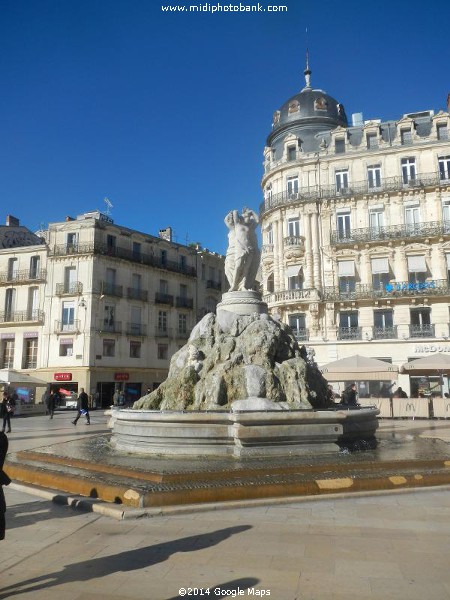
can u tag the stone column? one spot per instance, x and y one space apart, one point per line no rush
308 252
401 265
315 234
280 255
365 268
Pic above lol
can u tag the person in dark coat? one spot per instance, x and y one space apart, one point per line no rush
52 403
83 407
4 480
349 395
6 411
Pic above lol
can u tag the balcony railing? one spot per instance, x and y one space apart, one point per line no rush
387 184
106 327
288 296
161 298
385 333
163 332
213 285
267 249
23 276
136 329
391 232
20 316
349 333
361 291
136 294
62 327
182 302
421 331
301 334
111 289
72 288
294 240
125 254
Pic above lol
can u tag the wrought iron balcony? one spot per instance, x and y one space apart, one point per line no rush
62 327
20 316
182 302
137 294
213 285
301 334
349 333
72 288
111 289
267 249
358 188
163 332
125 254
109 327
361 291
391 232
384 333
161 298
421 331
136 329
25 276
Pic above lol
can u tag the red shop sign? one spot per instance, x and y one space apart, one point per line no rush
121 376
62 376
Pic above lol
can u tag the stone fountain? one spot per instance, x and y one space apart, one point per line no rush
241 386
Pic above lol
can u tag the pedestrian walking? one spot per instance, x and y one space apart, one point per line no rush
83 407
52 403
4 480
6 412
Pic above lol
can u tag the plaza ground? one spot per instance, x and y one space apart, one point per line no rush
377 546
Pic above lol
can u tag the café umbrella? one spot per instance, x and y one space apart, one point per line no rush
433 364
359 368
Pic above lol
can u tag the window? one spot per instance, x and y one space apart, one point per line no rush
109 347
135 349
184 289
111 244
446 215
347 276
408 169
162 320
298 325
109 319
343 225
380 273
8 354
182 323
444 167
383 319
68 316
339 146
163 286
421 323
376 218
348 326
374 176
292 185
136 282
33 302
291 153
269 234
136 251
268 192
135 324
35 262
13 269
10 303
72 242
372 141
341 180
406 137
442 132
412 219
295 278
163 351
31 349
66 347
417 269
163 256
270 285
70 280
294 227
183 263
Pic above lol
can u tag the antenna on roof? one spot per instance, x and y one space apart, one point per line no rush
307 71
109 205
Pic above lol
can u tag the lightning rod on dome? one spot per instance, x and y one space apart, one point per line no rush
307 71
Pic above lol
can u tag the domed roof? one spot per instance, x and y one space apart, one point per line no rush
309 107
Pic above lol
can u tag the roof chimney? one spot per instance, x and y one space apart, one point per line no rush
166 234
12 221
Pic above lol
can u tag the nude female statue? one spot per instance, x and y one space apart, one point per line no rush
243 256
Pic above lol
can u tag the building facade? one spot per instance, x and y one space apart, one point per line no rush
356 231
92 304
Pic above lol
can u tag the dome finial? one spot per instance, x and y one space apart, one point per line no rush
307 71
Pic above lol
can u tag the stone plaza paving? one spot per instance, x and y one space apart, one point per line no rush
378 546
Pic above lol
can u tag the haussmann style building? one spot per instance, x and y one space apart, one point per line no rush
356 232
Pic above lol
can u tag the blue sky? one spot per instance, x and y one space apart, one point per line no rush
166 114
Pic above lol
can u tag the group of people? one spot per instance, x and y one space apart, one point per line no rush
349 396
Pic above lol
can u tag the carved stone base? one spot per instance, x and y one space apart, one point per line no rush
243 303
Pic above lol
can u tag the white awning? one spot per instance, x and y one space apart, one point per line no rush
293 271
380 265
346 268
416 264
447 256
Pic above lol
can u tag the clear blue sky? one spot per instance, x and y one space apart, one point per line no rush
167 114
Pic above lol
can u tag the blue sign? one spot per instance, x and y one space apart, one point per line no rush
405 286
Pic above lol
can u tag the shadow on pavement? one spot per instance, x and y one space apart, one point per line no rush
33 513
130 560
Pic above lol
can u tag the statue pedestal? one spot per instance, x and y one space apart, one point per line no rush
242 303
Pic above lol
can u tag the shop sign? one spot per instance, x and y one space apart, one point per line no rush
121 376
62 376
405 286
430 348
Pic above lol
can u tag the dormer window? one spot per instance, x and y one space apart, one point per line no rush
276 117
406 137
339 146
292 153
442 132
294 106
372 141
